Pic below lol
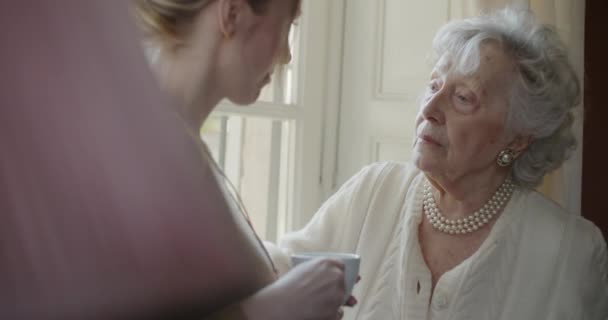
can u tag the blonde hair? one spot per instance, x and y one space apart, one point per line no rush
164 19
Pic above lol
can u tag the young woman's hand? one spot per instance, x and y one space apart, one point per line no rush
311 290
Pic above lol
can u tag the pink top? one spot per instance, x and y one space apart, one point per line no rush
105 209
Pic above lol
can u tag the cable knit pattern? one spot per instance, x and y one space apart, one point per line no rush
385 281
386 286
489 268
385 294
602 258
539 262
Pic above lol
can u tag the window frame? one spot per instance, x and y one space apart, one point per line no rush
310 178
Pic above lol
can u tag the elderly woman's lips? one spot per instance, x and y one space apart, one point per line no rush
429 140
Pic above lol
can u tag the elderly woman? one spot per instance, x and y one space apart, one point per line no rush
460 233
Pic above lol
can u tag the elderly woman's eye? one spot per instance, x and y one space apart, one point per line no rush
462 98
464 102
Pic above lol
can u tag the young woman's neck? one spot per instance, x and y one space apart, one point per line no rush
189 80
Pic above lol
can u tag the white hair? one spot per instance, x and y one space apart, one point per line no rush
545 89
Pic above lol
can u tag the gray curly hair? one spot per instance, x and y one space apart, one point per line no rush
546 88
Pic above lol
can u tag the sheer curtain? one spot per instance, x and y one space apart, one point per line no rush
568 17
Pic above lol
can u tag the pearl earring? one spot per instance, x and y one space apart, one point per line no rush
505 158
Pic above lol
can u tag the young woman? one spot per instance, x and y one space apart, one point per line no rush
203 51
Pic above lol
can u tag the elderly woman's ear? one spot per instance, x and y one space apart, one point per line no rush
513 150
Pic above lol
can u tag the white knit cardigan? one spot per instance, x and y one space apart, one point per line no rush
542 262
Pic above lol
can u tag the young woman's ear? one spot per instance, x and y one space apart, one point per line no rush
229 15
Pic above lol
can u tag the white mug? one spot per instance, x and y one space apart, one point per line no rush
350 260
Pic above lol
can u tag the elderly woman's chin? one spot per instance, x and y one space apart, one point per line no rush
426 157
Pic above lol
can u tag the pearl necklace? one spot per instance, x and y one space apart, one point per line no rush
472 222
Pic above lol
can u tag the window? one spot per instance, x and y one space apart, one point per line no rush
279 153
254 145
255 152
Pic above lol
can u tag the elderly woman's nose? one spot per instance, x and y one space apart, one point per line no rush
431 108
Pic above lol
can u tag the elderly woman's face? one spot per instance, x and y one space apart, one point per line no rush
460 125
